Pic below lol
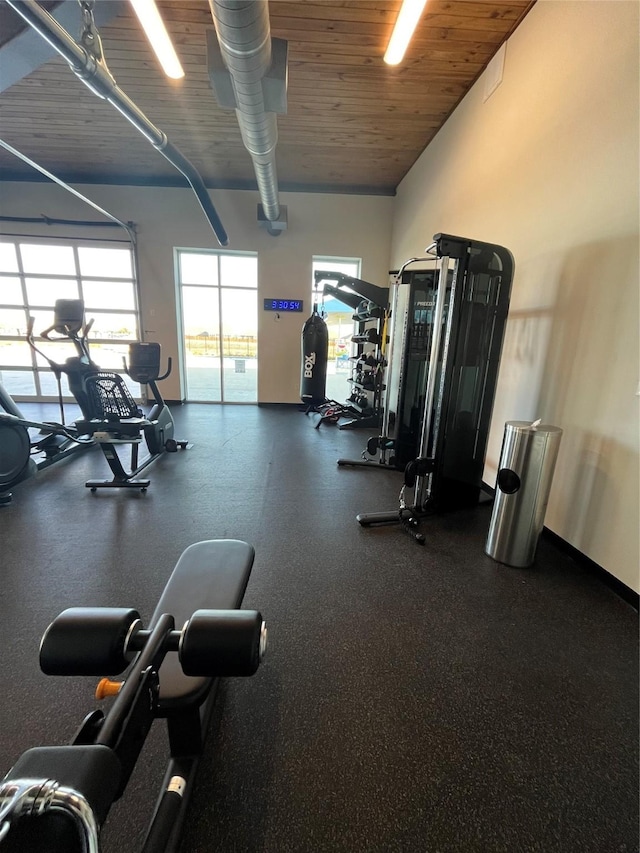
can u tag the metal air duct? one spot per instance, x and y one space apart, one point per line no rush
248 73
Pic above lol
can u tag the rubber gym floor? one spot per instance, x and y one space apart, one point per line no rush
412 699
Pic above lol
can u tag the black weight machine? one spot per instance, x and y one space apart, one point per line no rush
405 377
55 799
447 334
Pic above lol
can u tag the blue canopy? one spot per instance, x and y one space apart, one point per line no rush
334 306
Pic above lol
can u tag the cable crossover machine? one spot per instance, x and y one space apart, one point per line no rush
446 334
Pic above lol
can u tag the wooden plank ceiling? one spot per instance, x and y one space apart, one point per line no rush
353 123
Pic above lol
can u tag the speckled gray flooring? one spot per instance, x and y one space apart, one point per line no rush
413 699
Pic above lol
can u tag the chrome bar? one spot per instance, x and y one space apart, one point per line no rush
396 336
423 483
34 797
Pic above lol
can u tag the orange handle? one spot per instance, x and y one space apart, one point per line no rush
106 687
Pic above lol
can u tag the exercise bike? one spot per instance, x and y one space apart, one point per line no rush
21 454
57 798
121 421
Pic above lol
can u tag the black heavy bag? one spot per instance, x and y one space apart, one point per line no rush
315 351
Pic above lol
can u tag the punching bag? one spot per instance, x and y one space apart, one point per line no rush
315 351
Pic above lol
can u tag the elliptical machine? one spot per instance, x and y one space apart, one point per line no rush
17 448
21 454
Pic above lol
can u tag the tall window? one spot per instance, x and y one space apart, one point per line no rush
33 274
219 300
339 320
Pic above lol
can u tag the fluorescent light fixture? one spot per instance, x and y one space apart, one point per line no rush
156 32
408 17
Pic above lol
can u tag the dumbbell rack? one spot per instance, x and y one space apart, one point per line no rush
367 374
369 303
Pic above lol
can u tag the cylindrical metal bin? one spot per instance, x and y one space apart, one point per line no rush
527 460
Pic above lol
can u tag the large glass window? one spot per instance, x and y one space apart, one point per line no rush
219 300
34 273
339 320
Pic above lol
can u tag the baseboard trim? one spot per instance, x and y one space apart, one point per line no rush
298 406
279 405
625 592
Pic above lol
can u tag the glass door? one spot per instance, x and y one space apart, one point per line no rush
219 299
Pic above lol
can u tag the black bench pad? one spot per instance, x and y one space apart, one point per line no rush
210 575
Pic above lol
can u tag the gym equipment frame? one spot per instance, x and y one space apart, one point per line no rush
110 416
369 302
56 441
120 421
459 318
57 798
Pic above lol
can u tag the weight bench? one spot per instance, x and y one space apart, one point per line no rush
209 576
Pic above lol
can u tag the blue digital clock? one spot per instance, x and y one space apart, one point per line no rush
283 304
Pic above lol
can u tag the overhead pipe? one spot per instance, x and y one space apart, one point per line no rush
251 78
95 74
128 226
26 51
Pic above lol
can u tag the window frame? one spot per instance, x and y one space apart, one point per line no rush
35 368
219 254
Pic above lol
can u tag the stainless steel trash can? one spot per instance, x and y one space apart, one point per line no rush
527 461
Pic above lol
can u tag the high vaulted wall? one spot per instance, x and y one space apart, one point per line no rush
548 167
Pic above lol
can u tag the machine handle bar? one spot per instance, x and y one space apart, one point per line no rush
20 797
143 380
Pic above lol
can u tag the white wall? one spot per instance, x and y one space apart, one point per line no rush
548 167
319 224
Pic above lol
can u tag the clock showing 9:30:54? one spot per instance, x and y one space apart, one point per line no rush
283 304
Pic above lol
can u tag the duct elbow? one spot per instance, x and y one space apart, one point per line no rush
274 226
